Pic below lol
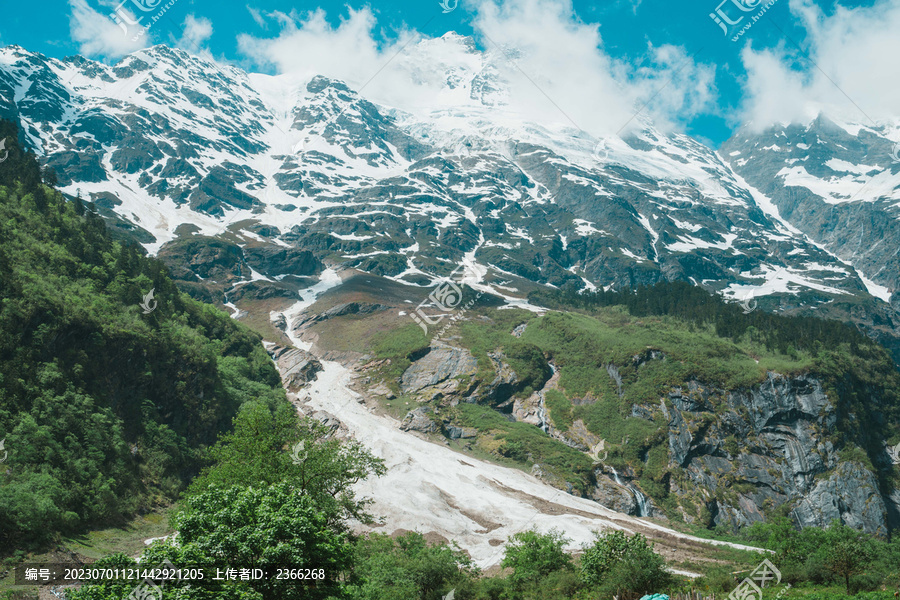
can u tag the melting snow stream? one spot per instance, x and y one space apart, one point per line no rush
430 488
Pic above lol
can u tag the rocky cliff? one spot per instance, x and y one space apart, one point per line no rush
733 456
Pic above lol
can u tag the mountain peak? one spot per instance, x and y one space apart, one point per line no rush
320 83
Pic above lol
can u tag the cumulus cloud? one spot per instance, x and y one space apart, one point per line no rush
856 75
196 32
553 65
99 35
308 45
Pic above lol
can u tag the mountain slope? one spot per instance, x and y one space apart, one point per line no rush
172 145
667 403
105 408
249 187
837 183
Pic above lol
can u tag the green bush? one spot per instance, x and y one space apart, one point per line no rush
268 527
560 409
532 556
619 563
408 567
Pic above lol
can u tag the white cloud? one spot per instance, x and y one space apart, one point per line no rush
559 73
565 58
99 35
858 74
257 17
308 46
196 32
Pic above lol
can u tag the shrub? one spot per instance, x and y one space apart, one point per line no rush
532 556
624 564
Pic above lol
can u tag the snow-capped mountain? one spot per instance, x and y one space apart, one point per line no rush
178 147
837 182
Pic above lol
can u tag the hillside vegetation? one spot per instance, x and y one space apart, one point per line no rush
105 410
268 515
620 358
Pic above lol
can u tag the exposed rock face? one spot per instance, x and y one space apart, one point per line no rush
503 386
340 310
614 496
272 260
534 410
203 257
579 437
763 448
419 419
260 290
734 455
436 373
206 267
530 410
850 494
297 367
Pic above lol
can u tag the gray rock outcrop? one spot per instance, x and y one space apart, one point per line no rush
297 367
439 372
734 456
851 495
419 419
764 447
464 433
340 310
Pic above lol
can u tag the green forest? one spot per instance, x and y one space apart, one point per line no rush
104 411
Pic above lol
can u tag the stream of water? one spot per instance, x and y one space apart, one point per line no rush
643 505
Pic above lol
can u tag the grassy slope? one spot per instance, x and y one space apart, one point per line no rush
581 341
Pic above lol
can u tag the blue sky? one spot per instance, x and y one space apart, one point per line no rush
628 31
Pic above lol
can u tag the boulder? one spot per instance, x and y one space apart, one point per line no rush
456 433
297 367
437 371
419 419
614 497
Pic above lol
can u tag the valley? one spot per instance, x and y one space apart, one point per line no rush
488 332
